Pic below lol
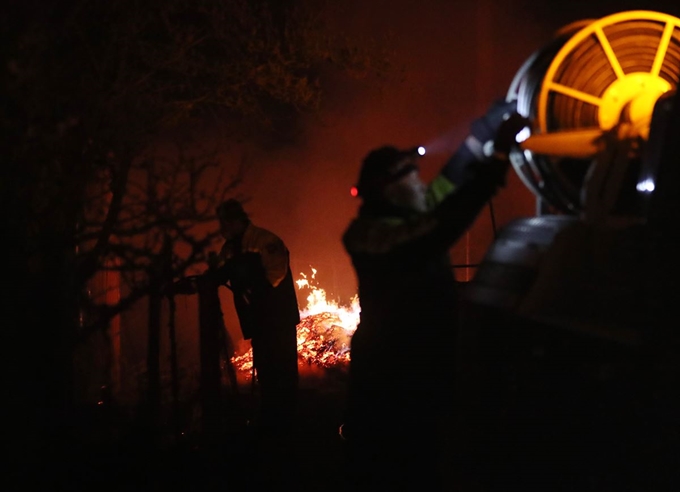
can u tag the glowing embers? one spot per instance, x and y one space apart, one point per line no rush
324 331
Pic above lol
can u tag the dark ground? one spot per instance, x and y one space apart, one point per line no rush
237 459
574 416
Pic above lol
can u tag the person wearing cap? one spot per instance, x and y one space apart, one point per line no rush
254 263
401 372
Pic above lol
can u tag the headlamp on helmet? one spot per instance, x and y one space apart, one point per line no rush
383 166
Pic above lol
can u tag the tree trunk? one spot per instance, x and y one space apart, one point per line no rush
174 368
153 395
210 315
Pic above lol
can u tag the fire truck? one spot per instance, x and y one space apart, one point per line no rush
568 351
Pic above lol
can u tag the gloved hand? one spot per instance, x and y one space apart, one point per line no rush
491 138
506 135
499 126
485 127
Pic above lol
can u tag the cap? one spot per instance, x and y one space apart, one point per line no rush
231 209
381 167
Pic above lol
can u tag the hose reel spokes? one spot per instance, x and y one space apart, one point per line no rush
579 90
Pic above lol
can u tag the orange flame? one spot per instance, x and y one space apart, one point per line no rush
324 331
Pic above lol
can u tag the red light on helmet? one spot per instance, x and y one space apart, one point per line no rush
354 191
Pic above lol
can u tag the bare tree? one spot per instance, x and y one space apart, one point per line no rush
88 88
164 229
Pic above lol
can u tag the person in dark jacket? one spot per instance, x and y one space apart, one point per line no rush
402 353
254 264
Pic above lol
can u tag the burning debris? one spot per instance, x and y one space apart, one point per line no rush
324 331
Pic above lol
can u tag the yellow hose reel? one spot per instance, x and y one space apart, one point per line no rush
594 76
